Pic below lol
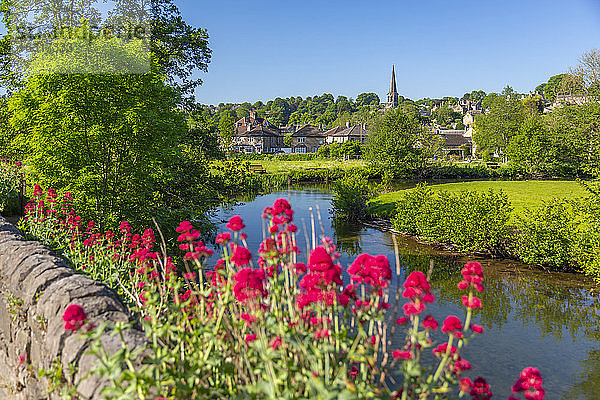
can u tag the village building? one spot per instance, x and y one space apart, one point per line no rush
260 139
307 139
246 124
341 134
456 142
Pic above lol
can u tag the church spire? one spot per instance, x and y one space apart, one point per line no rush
393 94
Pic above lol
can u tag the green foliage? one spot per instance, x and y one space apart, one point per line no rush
350 197
398 142
340 150
494 129
470 220
547 235
531 147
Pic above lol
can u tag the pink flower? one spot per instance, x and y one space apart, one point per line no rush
476 328
473 274
184 226
451 325
530 382
74 317
251 338
402 320
241 256
249 319
475 302
372 270
223 238
465 385
430 323
401 354
275 343
249 284
236 223
417 290
480 390
22 359
441 349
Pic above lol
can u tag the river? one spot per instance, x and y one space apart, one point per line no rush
532 317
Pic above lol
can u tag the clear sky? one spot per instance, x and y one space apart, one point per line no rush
265 49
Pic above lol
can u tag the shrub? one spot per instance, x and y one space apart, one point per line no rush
350 196
547 235
470 220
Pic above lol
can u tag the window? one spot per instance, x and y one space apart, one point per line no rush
301 149
300 140
320 141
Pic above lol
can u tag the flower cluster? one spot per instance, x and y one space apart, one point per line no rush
530 384
418 291
74 317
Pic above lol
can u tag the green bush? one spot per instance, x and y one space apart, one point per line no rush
350 196
470 220
547 235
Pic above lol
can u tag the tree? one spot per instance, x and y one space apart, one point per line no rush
226 129
367 99
531 147
494 129
444 116
113 140
398 142
588 72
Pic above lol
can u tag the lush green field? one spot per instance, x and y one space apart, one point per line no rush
274 167
522 194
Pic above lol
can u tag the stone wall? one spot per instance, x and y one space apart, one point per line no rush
35 288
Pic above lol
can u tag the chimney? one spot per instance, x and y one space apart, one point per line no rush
253 114
348 124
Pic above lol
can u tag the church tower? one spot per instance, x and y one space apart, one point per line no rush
393 94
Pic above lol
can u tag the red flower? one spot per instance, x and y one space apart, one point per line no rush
451 325
417 290
74 317
236 223
430 323
530 382
249 284
480 390
402 320
275 343
241 256
223 238
250 338
440 350
401 354
475 302
465 385
473 274
372 270
477 328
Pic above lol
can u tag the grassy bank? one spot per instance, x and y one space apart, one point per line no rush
277 167
522 194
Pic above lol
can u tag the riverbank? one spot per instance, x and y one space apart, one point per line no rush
550 224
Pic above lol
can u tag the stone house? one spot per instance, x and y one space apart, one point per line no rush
260 139
341 134
307 139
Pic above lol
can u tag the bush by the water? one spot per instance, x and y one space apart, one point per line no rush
350 196
470 220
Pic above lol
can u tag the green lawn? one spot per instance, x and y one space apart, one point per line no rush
522 194
288 166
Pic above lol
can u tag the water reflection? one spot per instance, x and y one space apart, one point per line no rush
532 318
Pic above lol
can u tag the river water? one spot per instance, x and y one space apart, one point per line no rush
531 317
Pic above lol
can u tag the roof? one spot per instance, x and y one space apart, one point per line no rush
261 131
309 130
356 130
454 139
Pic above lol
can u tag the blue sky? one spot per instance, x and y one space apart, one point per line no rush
267 49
